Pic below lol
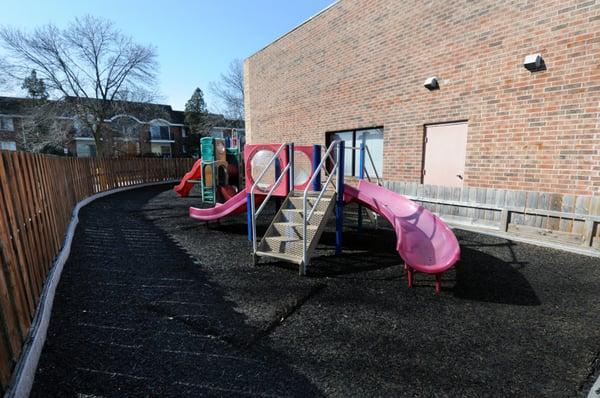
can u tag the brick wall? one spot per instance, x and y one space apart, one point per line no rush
362 63
177 146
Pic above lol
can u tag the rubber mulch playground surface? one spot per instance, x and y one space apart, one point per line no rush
153 303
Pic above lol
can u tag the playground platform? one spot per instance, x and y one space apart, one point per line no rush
154 303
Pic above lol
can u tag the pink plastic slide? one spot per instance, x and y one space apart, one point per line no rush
235 205
184 187
424 242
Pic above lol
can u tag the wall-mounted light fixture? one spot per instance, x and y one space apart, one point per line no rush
534 63
431 83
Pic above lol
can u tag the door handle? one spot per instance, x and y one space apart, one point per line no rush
459 176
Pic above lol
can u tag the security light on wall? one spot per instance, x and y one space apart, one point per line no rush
534 63
431 83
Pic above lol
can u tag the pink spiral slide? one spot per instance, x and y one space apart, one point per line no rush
424 242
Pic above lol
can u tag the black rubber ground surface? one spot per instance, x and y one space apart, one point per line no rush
152 303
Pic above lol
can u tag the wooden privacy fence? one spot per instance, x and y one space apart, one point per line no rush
568 220
37 196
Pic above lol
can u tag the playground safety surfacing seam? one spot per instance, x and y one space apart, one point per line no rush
152 303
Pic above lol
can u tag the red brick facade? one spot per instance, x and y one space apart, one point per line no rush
362 63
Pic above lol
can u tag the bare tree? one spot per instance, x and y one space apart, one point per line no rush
40 130
230 89
4 78
92 65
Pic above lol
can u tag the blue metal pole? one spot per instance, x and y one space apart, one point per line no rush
249 215
339 208
316 159
277 174
361 176
291 169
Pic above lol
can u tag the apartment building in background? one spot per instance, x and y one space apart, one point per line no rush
135 130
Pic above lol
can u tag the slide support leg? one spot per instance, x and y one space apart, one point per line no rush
361 176
409 275
438 283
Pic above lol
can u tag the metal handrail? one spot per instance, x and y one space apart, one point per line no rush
334 162
310 213
372 165
276 184
316 172
252 198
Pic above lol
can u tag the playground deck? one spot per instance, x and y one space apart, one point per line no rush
154 303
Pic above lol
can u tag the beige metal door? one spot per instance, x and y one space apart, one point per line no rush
445 153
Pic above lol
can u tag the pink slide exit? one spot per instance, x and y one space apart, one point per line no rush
235 205
424 242
184 187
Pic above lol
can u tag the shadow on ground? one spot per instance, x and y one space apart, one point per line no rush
482 277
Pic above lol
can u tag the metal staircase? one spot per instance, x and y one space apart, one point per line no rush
297 227
284 238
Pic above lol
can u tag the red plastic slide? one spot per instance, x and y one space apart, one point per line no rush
423 240
235 205
184 187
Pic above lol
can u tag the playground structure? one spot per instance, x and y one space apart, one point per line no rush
294 174
217 171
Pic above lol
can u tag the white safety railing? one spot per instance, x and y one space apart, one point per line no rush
317 172
255 212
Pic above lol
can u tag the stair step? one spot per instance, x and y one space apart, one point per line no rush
298 202
281 256
282 244
297 216
301 211
312 194
293 224
293 229
284 237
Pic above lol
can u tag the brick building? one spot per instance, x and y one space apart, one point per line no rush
356 71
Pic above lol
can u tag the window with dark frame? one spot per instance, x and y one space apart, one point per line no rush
159 132
6 123
371 137
81 130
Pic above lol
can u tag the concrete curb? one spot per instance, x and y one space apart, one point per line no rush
24 372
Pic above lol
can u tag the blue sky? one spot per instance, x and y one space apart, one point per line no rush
196 40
